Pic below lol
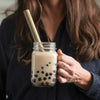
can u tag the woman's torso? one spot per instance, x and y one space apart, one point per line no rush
18 84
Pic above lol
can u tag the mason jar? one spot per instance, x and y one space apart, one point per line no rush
44 64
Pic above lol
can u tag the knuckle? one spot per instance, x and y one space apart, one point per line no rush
72 72
64 65
61 57
72 59
69 79
58 63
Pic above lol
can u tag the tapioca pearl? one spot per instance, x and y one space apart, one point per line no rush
54 71
42 83
47 83
39 79
36 75
42 67
50 74
46 74
44 78
38 71
55 64
34 80
49 78
49 62
54 79
47 65
42 72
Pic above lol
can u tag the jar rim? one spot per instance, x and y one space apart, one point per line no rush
53 43
46 45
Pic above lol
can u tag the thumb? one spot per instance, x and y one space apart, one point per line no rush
59 52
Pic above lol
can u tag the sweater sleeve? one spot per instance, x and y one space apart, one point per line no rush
3 61
6 31
3 70
94 68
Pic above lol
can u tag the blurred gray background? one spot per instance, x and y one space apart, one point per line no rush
4 4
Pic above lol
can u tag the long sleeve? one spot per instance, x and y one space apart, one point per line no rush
94 68
3 63
3 71
6 31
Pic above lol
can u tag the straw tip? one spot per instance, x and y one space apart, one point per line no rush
26 10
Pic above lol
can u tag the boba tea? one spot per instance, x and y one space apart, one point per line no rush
44 57
44 63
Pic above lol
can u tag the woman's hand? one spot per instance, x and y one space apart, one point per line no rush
70 71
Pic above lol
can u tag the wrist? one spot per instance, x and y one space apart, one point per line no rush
85 80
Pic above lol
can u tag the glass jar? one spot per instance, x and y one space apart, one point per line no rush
44 64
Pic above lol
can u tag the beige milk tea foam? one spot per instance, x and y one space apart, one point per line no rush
44 66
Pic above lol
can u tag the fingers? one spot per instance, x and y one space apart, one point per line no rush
67 59
63 73
61 79
65 66
65 77
65 70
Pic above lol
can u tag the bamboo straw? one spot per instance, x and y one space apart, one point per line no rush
32 27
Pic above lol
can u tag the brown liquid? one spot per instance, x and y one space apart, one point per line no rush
44 68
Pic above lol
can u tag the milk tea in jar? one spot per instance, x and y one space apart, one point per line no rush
44 64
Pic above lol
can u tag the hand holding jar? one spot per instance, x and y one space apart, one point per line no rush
70 71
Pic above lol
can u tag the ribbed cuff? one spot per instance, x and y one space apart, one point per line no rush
94 91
